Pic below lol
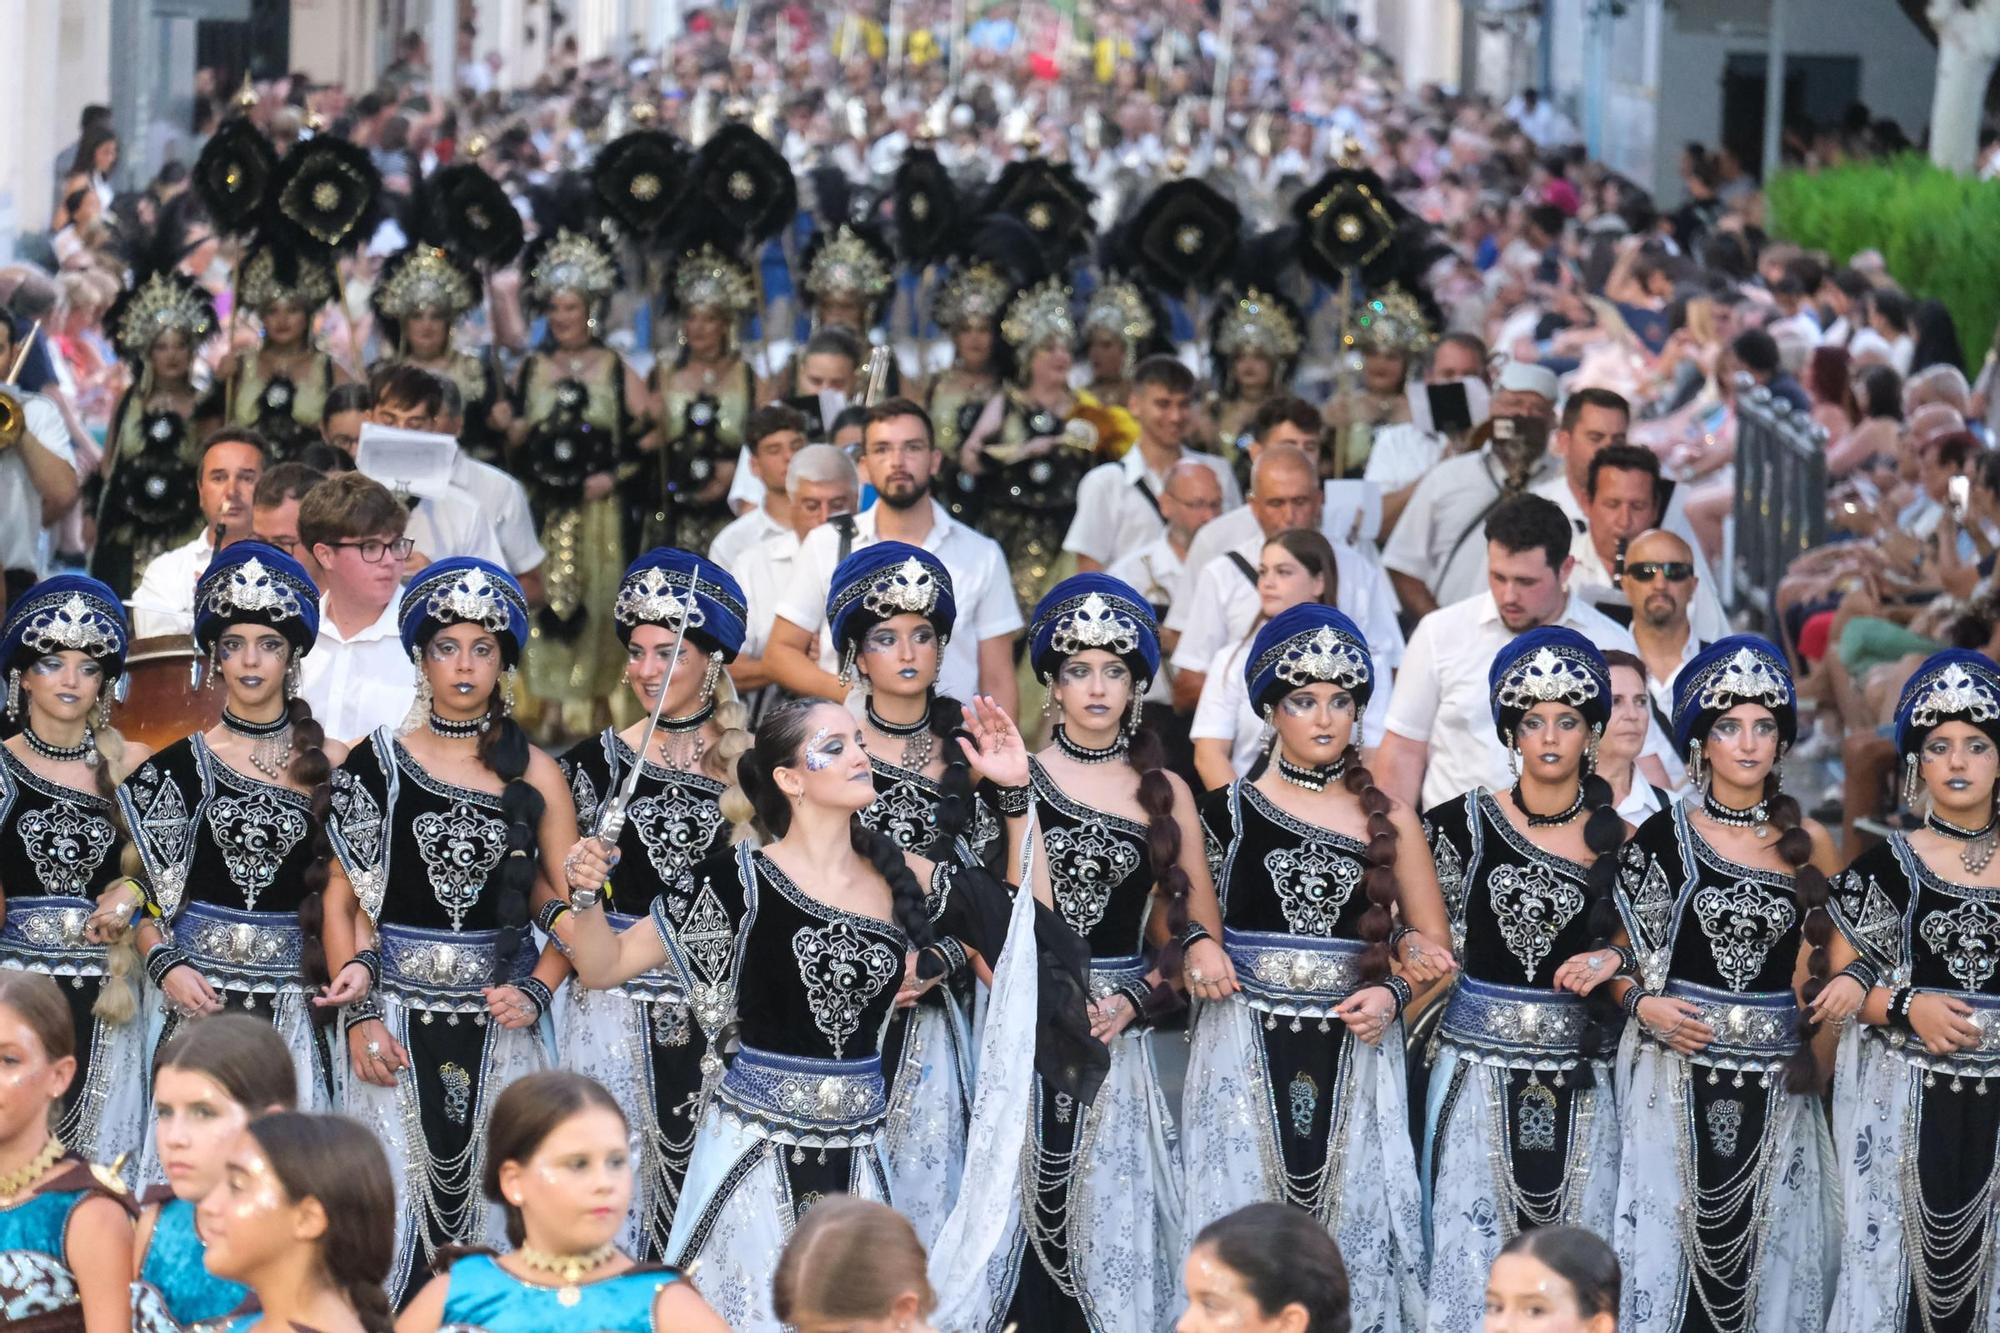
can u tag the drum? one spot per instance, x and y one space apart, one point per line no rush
163 701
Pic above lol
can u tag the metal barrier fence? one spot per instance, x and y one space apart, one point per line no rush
1780 507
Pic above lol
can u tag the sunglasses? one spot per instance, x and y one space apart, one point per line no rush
1676 571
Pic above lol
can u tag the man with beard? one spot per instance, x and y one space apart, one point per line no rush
899 457
1661 583
1439 738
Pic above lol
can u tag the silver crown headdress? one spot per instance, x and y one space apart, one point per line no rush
162 304
1392 322
707 279
252 587
573 262
1547 676
259 287
908 587
1746 676
1954 693
1257 323
1318 655
1094 622
970 298
72 621
429 279
1039 315
649 597
473 598
846 265
1119 308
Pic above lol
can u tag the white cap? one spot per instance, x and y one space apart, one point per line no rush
1527 377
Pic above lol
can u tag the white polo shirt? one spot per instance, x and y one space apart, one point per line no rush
24 540
360 683
1441 695
1159 574
503 502
1118 504
1223 607
979 580
765 571
163 603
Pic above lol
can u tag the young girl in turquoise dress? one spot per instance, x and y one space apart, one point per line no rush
305 1217
212 1078
559 1161
65 1229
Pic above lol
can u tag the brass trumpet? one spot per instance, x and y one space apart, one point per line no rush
13 415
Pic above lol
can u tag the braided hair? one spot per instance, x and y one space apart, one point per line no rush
780 743
955 799
504 749
1379 879
732 715
117 1000
1604 834
310 769
1810 886
1148 758
335 1160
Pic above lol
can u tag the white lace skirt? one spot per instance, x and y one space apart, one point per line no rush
930 1108
1369 1201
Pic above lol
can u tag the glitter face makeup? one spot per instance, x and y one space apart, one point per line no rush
822 750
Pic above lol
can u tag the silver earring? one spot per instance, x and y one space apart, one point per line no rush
711 677
294 674
214 667
1513 755
1590 752
1051 706
424 699
1698 770
103 710
846 673
14 693
1135 717
1912 785
1267 740
507 693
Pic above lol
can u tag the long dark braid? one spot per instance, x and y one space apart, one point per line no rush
1379 879
1604 834
1163 841
1810 886
955 797
309 769
780 738
504 749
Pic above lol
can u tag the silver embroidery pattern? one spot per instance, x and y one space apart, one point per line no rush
359 816
460 847
255 833
842 970
1085 864
163 823
1967 938
584 792
1871 918
1533 905
1450 871
1645 885
1535 1121
1305 1101
1742 922
1314 883
66 846
903 812
708 942
457 1092
675 830
1725 1124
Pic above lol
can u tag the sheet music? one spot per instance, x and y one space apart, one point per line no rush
409 462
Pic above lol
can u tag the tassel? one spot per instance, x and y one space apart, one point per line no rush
1912 786
14 694
711 677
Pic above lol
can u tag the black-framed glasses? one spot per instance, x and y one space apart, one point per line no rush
1676 571
289 545
372 549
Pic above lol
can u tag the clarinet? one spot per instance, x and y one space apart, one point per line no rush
1618 565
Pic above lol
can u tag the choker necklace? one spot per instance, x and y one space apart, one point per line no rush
1757 817
678 752
568 1267
458 731
271 742
1083 754
1980 844
18 1182
917 737
85 749
1312 778
1556 820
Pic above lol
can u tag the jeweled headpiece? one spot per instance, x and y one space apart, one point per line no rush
1956 685
1548 665
971 297
261 285
426 277
251 583
1039 315
666 586
1308 644
707 279
1257 322
1087 611
1392 321
1120 308
164 302
571 262
844 264
464 589
1739 669
70 622
886 579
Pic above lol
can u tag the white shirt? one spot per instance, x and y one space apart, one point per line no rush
23 538
1663 707
1223 607
358 684
742 535
1400 454
163 603
979 579
746 487
1159 574
1441 536
1225 714
504 503
451 524
1113 518
1441 695
1641 803
766 570
1593 581
1229 529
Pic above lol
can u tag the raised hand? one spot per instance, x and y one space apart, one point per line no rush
996 751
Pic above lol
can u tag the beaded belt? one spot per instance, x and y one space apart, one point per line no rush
1755 1031
1297 976
1980 1062
444 971
46 935
259 952
1514 1027
805 1102
1108 974
656 985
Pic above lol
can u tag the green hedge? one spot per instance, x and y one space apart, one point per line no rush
1938 232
